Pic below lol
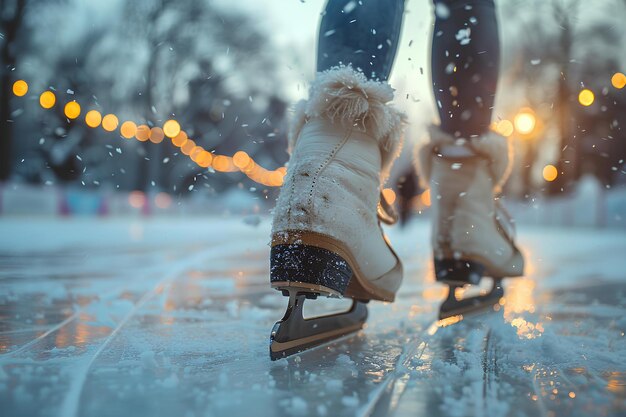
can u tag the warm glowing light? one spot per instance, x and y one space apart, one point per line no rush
143 133
163 200
20 88
128 129
586 97
241 159
249 167
550 173
449 320
156 135
280 173
179 139
47 99
526 329
221 163
137 199
93 118
618 80
171 128
188 147
72 110
275 179
425 198
204 159
195 153
504 127
572 394
110 122
390 195
525 121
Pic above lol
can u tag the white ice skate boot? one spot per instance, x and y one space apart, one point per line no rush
326 236
472 235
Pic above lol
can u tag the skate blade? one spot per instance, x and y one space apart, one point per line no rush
453 307
294 333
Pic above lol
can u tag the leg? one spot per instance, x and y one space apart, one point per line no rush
326 238
472 234
465 59
363 34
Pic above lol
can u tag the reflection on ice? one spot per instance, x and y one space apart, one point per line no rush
197 344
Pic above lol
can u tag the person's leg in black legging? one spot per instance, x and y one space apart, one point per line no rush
363 34
465 60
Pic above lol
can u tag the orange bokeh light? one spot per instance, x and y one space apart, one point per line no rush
110 122
180 139
156 135
188 147
20 88
143 133
93 118
128 129
137 199
72 110
550 173
171 128
47 99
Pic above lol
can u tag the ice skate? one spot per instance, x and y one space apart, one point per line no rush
472 235
326 234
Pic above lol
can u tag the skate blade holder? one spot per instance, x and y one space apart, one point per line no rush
453 306
311 291
293 333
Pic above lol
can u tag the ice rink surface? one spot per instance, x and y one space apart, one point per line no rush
172 318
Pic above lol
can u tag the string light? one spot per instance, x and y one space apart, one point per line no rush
72 110
128 129
205 159
143 133
240 161
195 153
110 122
47 99
171 128
93 118
20 88
188 147
179 139
156 135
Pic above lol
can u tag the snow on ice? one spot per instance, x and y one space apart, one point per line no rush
172 317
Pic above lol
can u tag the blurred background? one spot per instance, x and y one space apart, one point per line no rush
164 107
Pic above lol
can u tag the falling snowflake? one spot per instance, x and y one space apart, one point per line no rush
463 36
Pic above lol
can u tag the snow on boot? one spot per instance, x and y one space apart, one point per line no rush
326 234
472 235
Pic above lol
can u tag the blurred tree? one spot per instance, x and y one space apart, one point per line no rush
554 49
147 61
194 49
11 17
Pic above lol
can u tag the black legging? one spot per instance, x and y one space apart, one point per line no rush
465 53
